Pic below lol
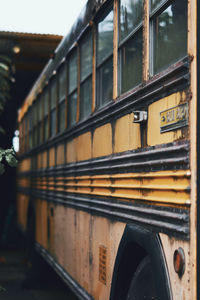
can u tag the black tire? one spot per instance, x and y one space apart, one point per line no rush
143 283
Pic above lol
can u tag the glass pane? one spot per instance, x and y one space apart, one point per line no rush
72 72
30 119
131 62
170 35
53 122
34 114
130 16
46 102
34 136
156 4
72 107
86 98
62 109
105 38
86 57
26 123
40 108
53 93
38 132
62 82
30 141
46 129
105 83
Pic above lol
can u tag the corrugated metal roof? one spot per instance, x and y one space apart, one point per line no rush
9 34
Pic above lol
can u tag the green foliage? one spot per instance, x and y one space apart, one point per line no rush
7 155
2 289
6 78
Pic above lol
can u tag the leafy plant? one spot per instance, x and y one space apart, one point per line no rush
6 78
7 155
2 289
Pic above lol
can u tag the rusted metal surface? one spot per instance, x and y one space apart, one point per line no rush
174 79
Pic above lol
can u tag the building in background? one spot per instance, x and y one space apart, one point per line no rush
22 57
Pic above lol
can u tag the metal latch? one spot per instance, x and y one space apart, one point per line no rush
140 116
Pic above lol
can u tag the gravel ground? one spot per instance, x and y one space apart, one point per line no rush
13 276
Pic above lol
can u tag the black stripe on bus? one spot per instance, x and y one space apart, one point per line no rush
172 221
174 156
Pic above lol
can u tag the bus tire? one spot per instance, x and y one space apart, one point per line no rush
142 285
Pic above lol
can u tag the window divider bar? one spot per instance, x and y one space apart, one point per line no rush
66 93
57 95
146 46
115 50
93 68
78 82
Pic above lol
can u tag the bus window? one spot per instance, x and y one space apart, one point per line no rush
155 4
46 111
30 127
104 59
86 76
61 99
40 117
72 89
53 100
130 43
169 35
34 124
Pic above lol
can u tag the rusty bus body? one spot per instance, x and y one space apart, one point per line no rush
115 183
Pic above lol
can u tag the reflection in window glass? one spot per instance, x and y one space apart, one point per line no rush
46 129
156 4
46 102
40 108
131 62
130 16
72 107
61 113
105 38
72 72
105 83
86 98
53 93
53 123
34 114
30 119
86 77
62 82
86 57
40 133
170 35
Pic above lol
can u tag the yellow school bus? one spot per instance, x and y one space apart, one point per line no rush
107 179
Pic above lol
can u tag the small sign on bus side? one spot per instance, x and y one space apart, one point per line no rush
174 118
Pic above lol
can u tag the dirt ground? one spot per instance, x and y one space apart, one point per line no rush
13 281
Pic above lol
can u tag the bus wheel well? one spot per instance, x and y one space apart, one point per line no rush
127 268
136 243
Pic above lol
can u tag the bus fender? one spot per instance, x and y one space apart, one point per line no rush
136 243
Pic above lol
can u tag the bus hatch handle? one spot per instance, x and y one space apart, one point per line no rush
140 116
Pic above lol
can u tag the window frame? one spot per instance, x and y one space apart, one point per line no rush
70 93
123 42
99 66
87 35
152 16
62 99
53 106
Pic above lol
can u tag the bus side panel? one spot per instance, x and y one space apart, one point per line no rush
180 285
78 238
